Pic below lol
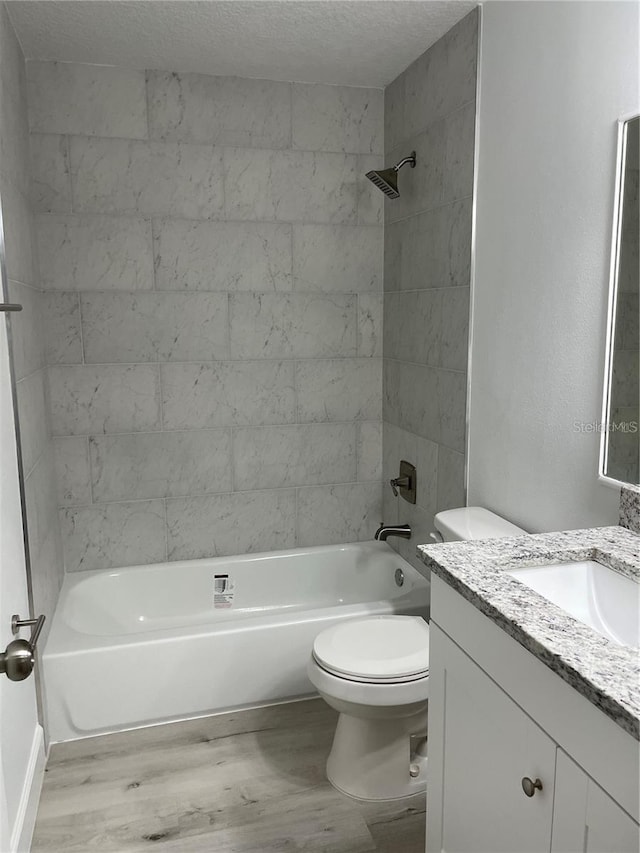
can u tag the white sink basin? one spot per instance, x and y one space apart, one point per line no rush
592 593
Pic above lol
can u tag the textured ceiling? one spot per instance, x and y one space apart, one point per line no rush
355 42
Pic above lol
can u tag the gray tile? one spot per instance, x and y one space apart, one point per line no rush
94 252
394 234
370 324
73 474
92 100
20 260
40 499
125 327
63 335
219 110
240 523
624 378
454 351
413 326
278 456
290 186
432 249
337 118
421 187
342 389
26 329
459 150
32 412
51 180
443 78
437 413
160 464
154 178
228 393
426 460
394 107
398 444
451 491
370 199
457 271
14 146
627 326
121 534
205 255
337 258
296 325
369 451
451 396
334 514
47 573
88 399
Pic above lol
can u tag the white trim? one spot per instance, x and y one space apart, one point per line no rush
28 807
621 146
472 266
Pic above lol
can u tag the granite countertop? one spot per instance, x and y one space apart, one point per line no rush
607 674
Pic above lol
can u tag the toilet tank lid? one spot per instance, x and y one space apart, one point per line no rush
473 522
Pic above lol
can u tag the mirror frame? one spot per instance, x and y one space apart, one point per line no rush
614 264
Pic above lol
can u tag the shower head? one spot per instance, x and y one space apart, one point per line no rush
387 179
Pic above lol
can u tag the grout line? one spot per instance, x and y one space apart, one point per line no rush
90 464
161 393
81 325
167 217
166 530
146 104
223 427
232 458
227 493
70 181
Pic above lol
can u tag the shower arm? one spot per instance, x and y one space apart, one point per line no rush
410 159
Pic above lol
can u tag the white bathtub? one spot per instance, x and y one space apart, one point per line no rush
146 644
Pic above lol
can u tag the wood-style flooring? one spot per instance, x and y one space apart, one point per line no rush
246 781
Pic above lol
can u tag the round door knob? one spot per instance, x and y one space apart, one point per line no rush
18 660
530 787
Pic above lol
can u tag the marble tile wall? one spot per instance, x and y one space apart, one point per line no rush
429 108
213 260
23 285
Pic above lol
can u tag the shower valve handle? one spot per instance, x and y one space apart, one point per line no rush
400 483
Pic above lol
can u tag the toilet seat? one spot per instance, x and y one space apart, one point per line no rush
375 650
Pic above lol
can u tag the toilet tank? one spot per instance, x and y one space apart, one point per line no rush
473 522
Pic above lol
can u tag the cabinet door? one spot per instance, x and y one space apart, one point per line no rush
481 746
586 819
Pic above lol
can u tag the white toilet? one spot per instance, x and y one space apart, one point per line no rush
375 672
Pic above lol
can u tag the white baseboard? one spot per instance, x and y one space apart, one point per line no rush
28 807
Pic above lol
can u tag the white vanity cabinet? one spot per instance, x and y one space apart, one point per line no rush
499 721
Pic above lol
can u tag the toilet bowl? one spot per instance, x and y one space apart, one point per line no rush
375 672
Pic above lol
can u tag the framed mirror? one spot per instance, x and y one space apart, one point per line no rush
620 438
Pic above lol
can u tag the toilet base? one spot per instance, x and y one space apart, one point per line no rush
374 759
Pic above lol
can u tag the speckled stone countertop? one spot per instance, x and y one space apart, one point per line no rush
604 672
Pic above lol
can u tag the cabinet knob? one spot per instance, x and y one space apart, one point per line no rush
530 787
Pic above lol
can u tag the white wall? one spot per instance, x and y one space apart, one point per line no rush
554 79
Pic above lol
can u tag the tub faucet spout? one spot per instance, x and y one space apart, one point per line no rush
386 530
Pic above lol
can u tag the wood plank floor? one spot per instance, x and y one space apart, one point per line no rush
246 781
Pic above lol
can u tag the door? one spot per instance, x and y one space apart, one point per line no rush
20 734
586 819
483 752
